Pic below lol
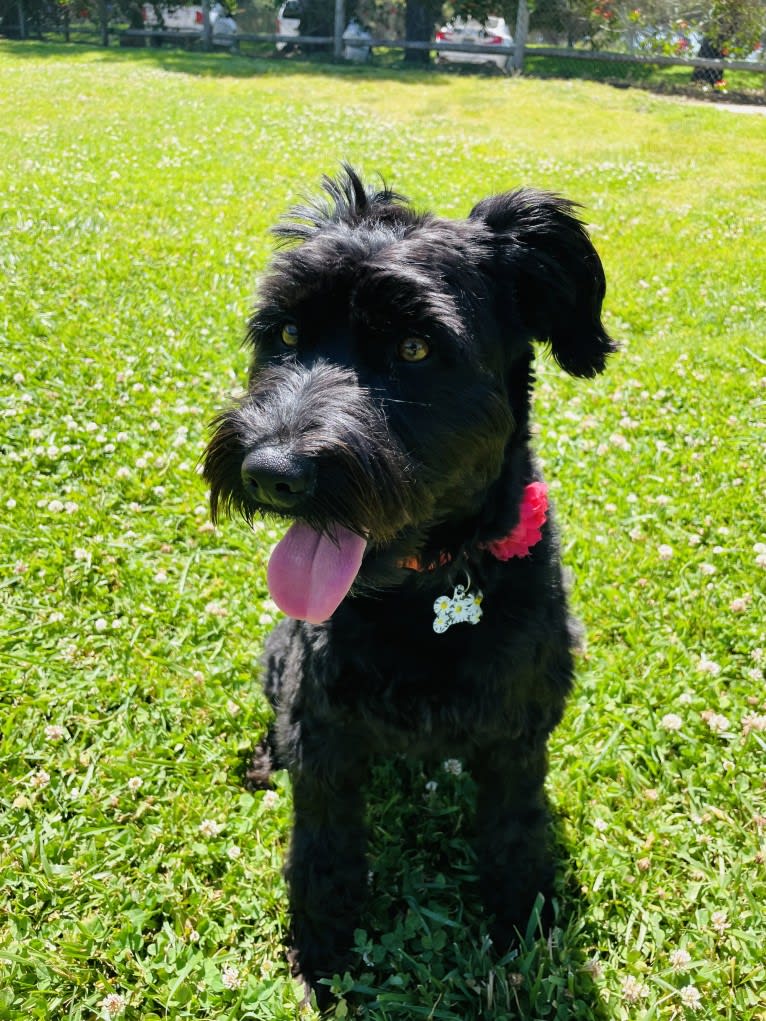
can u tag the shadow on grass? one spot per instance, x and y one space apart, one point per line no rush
389 65
744 86
423 949
427 948
263 61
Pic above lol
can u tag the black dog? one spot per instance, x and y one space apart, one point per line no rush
387 417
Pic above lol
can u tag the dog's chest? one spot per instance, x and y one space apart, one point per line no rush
403 683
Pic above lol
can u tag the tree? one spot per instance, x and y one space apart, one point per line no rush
732 28
420 21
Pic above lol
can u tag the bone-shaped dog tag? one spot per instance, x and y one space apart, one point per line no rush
459 608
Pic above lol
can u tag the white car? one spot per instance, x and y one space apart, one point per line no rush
288 21
190 19
494 32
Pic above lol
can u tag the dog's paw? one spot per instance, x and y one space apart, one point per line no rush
323 998
260 767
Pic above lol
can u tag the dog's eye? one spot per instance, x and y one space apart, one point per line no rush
413 349
290 335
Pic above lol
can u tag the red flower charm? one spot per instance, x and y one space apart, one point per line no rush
533 514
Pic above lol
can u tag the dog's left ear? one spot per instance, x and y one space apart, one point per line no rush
545 261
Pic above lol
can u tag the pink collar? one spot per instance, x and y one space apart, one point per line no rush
520 540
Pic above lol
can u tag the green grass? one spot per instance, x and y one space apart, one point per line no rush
136 189
672 79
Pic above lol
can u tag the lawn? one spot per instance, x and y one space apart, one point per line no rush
140 878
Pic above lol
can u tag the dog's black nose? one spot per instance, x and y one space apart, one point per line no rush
276 478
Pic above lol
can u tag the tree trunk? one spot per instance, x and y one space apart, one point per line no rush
418 28
709 75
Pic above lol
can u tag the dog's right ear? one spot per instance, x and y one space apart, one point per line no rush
547 265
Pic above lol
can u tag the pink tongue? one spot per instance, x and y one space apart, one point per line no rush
309 574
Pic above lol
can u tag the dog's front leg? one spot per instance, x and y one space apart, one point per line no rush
326 870
514 858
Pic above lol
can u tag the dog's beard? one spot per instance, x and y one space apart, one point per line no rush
384 484
363 489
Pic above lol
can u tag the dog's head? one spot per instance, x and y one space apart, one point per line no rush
387 405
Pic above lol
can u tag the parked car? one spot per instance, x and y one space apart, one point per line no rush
288 21
190 19
494 32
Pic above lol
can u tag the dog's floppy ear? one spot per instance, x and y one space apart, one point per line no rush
544 255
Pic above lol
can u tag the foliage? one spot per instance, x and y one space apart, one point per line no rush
736 26
139 879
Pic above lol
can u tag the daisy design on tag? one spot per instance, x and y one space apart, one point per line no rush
461 607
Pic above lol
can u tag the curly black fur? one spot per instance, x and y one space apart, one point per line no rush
428 460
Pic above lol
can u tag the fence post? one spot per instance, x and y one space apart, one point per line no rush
22 20
520 37
207 28
340 17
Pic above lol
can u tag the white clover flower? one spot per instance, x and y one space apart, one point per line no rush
230 977
718 724
112 1005
55 506
234 852
134 784
708 666
690 997
720 922
680 960
671 721
454 766
665 552
753 721
100 625
633 990
594 968
209 828
54 732
40 779
270 799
